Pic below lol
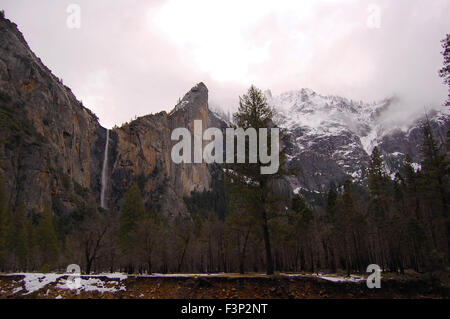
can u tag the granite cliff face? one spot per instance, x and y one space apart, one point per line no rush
52 147
142 154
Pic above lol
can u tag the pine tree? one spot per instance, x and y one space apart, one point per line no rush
30 244
254 112
434 165
47 240
3 199
445 71
331 203
377 188
241 220
303 221
342 225
331 211
19 236
447 146
3 224
131 214
149 233
378 207
435 189
411 180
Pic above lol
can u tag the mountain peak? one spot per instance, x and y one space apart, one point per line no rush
307 91
200 87
196 97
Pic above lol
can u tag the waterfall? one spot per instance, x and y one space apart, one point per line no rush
105 167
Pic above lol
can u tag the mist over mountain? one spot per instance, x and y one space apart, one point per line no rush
332 138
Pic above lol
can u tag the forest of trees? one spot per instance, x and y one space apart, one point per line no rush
398 224
246 225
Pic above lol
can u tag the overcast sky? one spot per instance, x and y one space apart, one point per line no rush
132 57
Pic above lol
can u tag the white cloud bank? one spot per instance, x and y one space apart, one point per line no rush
138 57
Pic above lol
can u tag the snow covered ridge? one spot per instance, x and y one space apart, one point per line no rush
332 115
332 137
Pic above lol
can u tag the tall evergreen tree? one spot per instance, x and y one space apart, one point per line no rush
131 214
411 181
3 198
342 223
377 188
436 189
303 220
3 224
378 204
331 203
254 112
434 164
445 71
19 234
241 222
47 240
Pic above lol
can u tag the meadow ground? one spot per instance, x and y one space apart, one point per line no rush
220 286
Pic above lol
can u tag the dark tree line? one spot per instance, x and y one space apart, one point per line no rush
245 224
399 224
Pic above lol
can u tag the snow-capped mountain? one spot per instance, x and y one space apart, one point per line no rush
331 138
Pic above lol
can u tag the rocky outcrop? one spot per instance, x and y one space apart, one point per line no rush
55 154
51 146
143 155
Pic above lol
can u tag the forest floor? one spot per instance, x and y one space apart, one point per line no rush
222 286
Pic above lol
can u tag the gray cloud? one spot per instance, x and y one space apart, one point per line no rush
138 57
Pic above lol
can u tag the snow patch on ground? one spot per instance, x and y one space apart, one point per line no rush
333 278
182 275
116 275
352 278
33 282
416 167
96 284
36 281
16 290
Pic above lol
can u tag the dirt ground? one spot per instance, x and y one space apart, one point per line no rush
228 286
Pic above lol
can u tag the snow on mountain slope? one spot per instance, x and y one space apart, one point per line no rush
331 138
